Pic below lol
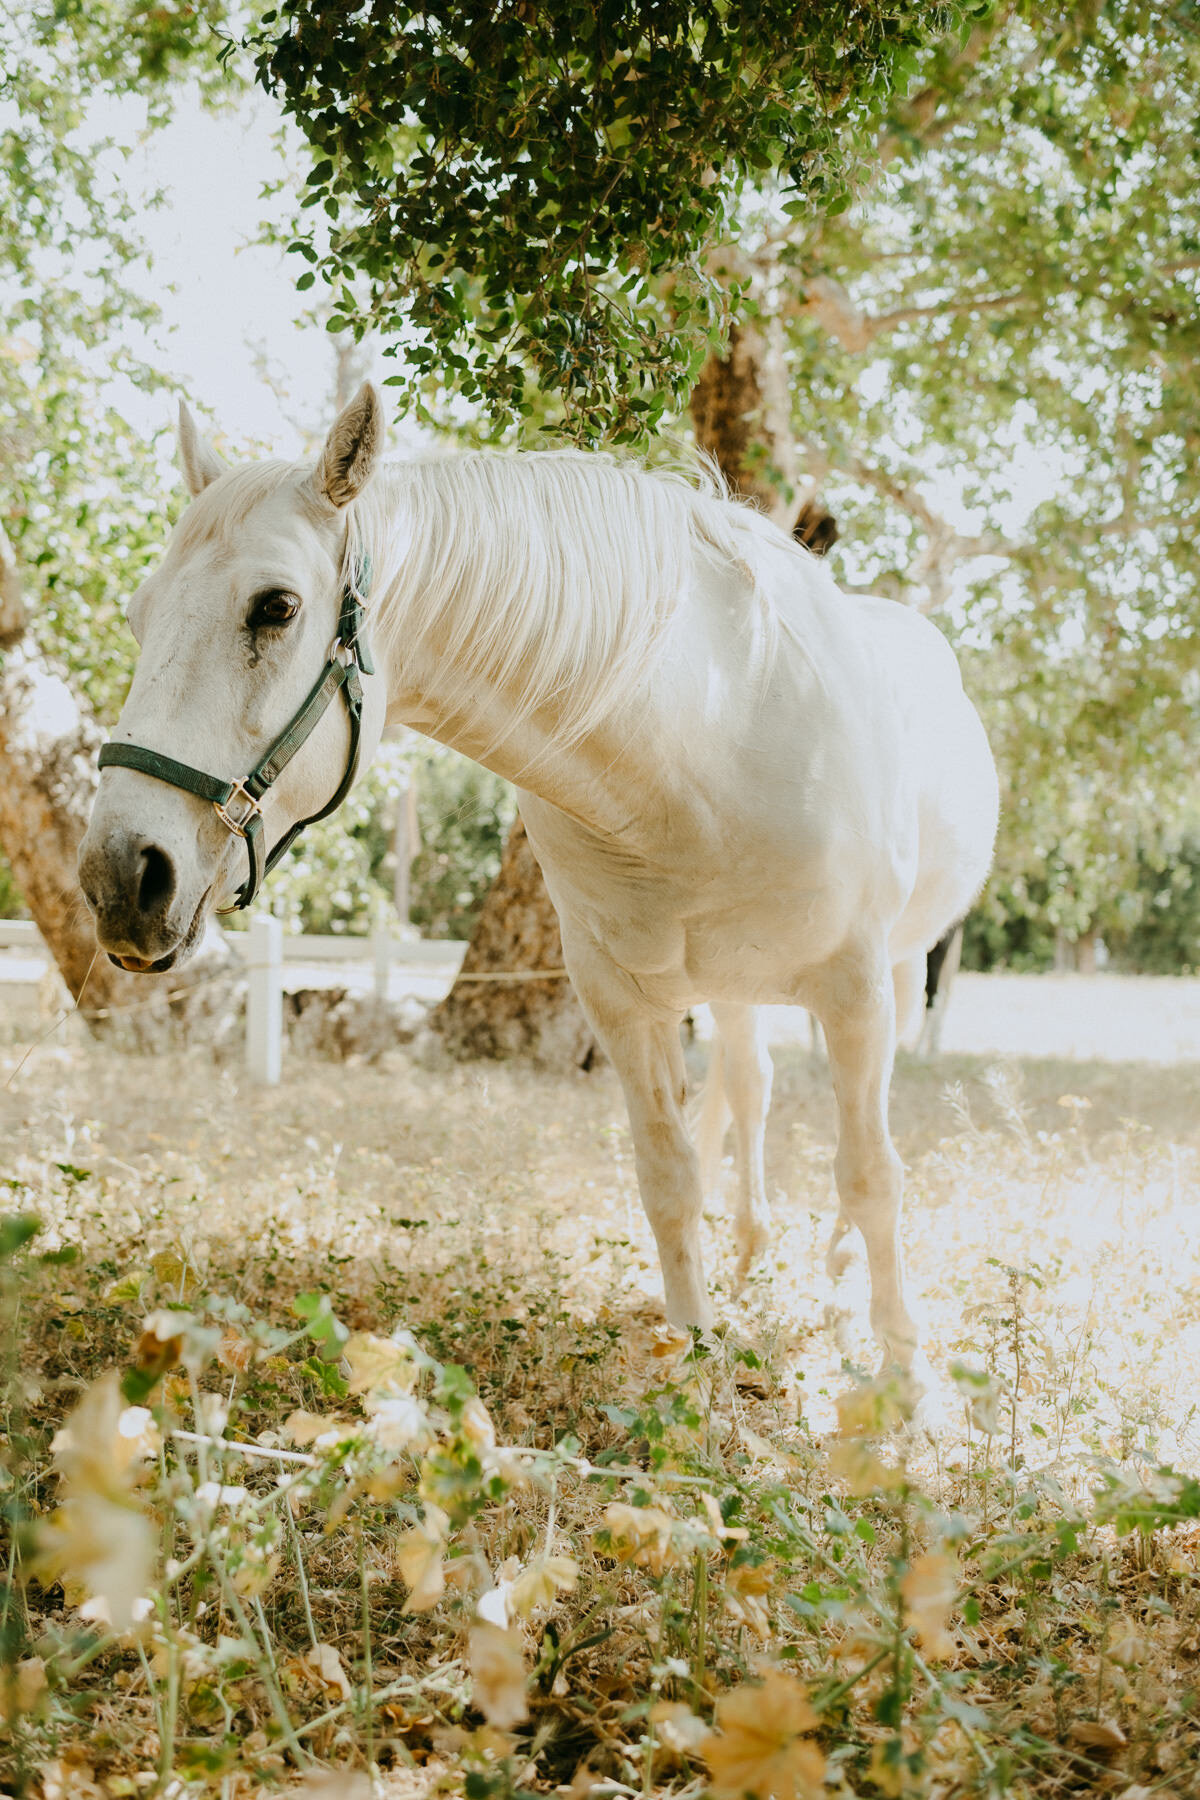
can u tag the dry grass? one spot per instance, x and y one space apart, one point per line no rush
965 1618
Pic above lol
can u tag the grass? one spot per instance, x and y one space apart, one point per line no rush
491 1530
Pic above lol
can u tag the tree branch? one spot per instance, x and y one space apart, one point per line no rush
827 301
924 116
944 547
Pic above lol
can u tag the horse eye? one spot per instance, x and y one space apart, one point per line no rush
274 608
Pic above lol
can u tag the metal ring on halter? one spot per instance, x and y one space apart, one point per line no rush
238 826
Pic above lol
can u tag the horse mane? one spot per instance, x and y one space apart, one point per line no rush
553 573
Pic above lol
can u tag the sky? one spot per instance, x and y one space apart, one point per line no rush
233 330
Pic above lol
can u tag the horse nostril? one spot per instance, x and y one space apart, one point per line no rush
158 880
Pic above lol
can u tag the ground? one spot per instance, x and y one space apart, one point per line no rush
1012 1607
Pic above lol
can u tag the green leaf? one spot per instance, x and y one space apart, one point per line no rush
16 1230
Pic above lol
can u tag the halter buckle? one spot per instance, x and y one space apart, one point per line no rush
238 825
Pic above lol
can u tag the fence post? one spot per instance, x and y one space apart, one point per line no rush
264 1000
381 952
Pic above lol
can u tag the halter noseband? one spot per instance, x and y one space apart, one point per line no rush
348 656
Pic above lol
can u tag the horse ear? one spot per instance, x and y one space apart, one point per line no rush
201 464
352 448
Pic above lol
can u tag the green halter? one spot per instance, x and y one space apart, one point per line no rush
348 656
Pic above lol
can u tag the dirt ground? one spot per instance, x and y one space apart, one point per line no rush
1052 1232
1084 1173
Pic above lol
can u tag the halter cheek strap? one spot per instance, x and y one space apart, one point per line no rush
236 803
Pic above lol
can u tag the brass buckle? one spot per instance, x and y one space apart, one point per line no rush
238 825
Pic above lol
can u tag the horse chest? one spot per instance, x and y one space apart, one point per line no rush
724 912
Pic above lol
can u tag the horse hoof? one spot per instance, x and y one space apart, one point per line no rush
752 1243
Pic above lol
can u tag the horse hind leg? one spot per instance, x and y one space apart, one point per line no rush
908 983
746 1073
859 1018
712 1121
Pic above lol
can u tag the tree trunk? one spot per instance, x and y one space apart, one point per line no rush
1086 958
742 419
517 932
48 749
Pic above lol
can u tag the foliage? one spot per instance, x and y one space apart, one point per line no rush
1159 933
394 1477
1011 281
993 364
340 875
84 496
1149 919
464 816
12 905
523 195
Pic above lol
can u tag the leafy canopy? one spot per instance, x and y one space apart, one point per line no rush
522 194
1019 290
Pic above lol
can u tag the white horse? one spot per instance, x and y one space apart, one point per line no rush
742 786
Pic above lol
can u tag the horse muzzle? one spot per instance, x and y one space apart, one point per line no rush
131 884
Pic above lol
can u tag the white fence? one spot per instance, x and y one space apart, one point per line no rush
276 962
404 952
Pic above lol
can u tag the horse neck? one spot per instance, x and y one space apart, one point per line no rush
580 776
432 601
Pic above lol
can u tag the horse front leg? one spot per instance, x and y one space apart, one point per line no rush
648 1059
859 1016
645 1051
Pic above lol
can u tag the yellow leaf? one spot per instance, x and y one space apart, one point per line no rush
127 1287
107 1545
255 1575
668 1342
1103 1736
305 1427
21 1687
419 1561
89 1451
678 1727
928 1589
541 1581
497 1675
758 1746
1125 1645
174 1271
477 1425
325 1663
640 1535
161 1344
379 1366
860 1471
235 1352
871 1408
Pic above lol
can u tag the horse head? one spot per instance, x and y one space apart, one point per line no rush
233 734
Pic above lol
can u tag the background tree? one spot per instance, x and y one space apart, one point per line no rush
1017 289
1014 287
83 496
